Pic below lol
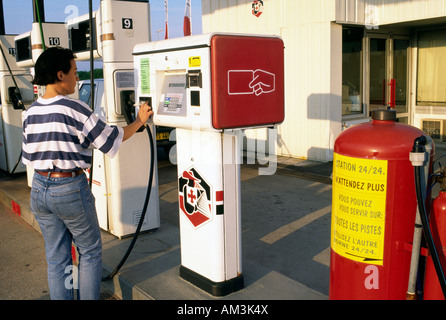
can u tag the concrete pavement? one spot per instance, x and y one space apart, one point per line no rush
285 241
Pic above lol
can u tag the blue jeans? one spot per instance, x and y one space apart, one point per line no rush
66 213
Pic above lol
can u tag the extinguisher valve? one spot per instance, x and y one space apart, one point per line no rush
418 159
418 156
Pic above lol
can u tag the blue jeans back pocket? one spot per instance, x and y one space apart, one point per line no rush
68 203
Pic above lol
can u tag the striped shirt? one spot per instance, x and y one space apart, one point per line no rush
60 133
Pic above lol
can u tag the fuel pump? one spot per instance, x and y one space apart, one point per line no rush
210 87
29 45
16 94
14 98
119 184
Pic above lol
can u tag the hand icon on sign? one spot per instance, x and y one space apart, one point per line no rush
243 82
264 82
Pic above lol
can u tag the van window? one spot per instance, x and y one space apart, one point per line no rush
85 93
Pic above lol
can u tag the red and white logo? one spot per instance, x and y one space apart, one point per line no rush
195 197
257 8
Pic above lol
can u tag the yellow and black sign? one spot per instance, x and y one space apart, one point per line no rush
359 208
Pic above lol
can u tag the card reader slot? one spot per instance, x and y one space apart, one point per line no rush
194 78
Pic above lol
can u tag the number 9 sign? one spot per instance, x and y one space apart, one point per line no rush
127 23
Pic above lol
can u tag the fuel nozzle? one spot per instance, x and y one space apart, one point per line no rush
16 98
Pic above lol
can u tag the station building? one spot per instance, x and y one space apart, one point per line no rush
345 58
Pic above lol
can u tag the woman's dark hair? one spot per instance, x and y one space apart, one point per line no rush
49 63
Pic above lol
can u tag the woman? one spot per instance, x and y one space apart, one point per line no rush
59 134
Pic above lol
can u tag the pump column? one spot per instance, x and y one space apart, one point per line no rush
209 201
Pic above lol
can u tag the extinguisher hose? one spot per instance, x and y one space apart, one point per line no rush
146 203
427 230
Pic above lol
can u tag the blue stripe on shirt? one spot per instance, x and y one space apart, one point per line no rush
52 136
59 155
56 118
110 141
71 104
96 131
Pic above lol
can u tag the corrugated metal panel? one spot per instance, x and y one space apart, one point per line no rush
236 14
388 11
397 11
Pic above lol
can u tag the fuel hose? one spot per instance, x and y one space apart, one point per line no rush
92 84
146 203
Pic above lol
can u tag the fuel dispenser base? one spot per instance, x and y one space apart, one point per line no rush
217 289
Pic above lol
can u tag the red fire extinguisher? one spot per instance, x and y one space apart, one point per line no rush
432 287
374 209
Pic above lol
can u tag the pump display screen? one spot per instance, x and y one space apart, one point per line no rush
173 96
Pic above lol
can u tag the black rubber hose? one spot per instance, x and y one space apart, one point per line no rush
146 204
92 85
426 227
